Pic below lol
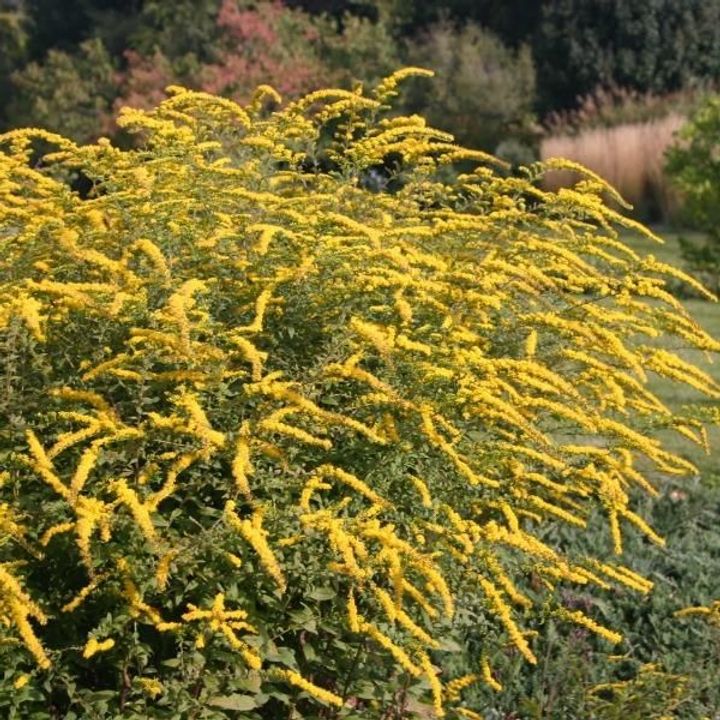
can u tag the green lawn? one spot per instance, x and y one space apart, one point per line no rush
708 315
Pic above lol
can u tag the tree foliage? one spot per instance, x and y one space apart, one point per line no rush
227 48
13 41
694 165
276 444
658 45
482 93
68 93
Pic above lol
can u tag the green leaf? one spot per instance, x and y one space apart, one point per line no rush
324 593
233 702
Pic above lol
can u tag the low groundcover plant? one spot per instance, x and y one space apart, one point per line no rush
277 444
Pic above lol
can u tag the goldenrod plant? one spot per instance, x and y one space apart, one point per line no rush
276 443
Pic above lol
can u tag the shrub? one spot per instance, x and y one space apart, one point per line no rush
278 445
483 93
694 165
70 93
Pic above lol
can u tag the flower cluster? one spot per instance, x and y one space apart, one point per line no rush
245 373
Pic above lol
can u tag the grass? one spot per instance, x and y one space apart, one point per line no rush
674 394
631 157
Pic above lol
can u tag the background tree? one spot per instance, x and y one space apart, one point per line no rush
13 49
482 92
694 165
657 45
72 93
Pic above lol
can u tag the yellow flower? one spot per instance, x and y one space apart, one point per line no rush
325 696
487 676
435 685
255 536
93 646
150 686
579 618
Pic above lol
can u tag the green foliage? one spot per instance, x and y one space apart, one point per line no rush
227 48
13 41
176 29
71 93
657 45
362 50
514 21
64 25
482 93
694 165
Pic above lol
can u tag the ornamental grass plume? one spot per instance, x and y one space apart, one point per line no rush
258 420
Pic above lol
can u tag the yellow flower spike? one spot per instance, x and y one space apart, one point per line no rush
531 344
272 424
241 466
352 613
226 622
83 594
19 613
711 612
456 686
505 582
325 696
234 560
504 614
387 88
469 714
383 339
313 484
435 685
261 304
256 538
420 599
255 357
169 486
155 255
44 467
28 309
93 647
400 655
67 440
387 604
58 529
579 618
162 571
625 576
150 686
199 422
487 676
422 489
87 463
336 473
139 510
21 681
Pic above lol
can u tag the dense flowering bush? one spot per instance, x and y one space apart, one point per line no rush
277 444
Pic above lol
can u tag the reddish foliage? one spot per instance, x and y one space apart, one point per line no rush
145 79
268 44
257 25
